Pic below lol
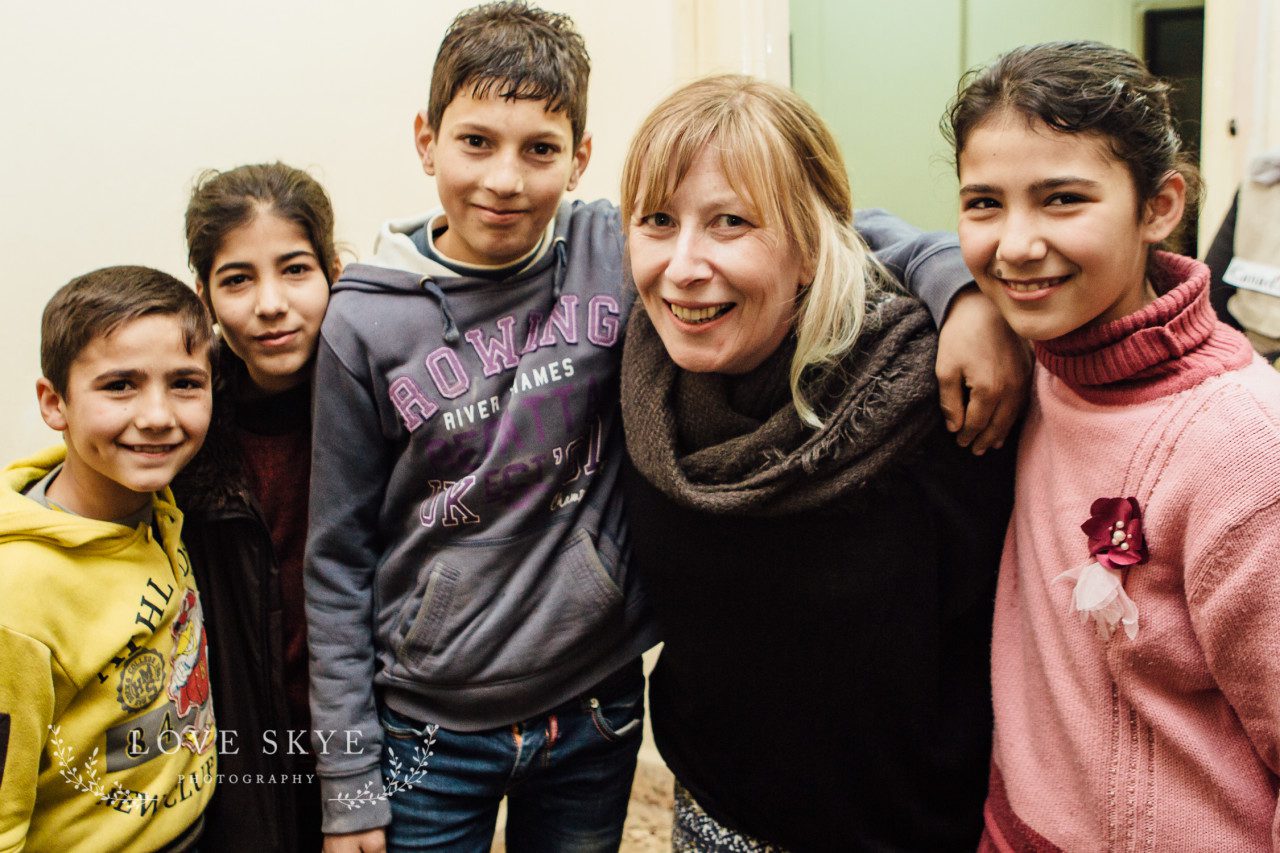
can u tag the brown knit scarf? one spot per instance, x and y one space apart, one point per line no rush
735 445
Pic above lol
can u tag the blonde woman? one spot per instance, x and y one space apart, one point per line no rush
821 554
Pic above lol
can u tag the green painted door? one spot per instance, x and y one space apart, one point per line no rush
881 73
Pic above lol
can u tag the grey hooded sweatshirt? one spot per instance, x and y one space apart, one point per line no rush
467 555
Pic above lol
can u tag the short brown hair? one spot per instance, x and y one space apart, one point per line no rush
518 52
223 201
96 304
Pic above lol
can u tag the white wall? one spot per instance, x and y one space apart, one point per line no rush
110 110
1241 86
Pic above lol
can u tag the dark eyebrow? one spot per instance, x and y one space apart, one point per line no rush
468 128
1038 187
117 375
1065 181
233 265
134 375
245 265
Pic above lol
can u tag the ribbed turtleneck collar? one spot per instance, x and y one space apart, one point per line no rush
1172 344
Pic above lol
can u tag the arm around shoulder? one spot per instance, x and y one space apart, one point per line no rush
983 368
927 263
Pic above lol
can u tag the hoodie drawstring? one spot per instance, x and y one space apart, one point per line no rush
451 335
557 281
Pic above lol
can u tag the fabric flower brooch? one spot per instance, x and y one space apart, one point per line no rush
1115 536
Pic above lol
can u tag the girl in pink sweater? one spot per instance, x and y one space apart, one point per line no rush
1136 649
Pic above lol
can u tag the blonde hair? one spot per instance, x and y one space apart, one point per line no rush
783 161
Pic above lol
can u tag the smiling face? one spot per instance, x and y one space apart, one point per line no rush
1051 226
500 168
135 410
269 293
719 287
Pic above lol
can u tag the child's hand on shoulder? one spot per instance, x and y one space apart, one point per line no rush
980 357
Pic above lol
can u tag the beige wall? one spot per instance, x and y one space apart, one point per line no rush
1241 85
110 110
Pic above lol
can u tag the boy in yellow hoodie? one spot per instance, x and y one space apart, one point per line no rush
107 738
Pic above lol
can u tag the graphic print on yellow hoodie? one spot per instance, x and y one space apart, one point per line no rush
107 736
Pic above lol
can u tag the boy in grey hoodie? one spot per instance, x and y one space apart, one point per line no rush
474 630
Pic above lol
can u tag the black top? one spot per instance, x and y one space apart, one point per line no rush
237 574
1218 258
824 683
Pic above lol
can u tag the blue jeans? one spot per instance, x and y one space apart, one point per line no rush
566 774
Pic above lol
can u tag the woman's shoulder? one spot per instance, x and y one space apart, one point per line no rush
888 304
896 322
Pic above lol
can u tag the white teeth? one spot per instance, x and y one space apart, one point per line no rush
1020 287
698 315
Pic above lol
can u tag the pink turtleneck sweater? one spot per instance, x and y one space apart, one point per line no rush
1170 741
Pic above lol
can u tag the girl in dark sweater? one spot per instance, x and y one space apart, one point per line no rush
260 240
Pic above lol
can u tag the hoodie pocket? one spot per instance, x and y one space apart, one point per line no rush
437 601
512 613
589 572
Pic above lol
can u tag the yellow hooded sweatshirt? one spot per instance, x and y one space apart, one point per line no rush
107 738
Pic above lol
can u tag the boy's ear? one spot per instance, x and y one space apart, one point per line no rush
424 140
581 157
1162 212
52 408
